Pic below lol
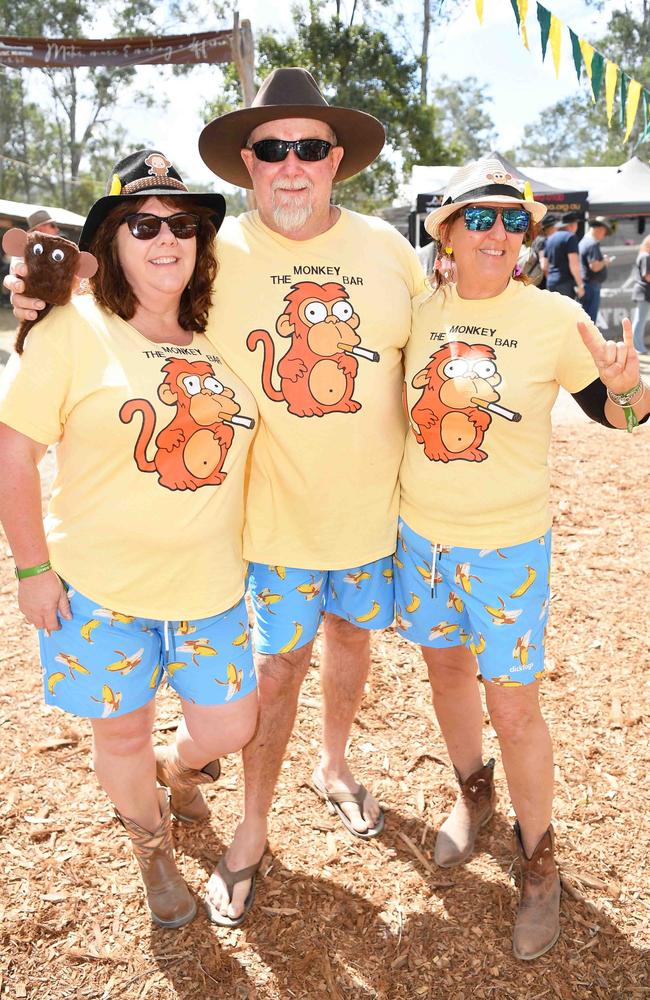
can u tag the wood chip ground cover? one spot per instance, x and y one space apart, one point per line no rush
339 918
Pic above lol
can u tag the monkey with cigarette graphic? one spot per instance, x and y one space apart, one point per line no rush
458 399
318 372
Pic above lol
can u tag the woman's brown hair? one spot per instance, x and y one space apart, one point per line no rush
441 279
112 290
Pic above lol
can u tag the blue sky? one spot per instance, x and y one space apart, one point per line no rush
518 83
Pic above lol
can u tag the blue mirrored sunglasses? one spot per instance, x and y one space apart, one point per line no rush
481 218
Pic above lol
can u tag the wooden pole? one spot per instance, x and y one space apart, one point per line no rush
243 56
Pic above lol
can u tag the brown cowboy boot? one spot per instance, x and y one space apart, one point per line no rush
537 926
187 802
473 808
169 899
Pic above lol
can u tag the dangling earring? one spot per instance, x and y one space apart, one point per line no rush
445 264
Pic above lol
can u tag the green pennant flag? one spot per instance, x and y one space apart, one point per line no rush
577 54
645 131
544 18
625 79
516 10
597 70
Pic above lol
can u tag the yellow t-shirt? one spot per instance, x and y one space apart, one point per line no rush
323 489
474 476
147 510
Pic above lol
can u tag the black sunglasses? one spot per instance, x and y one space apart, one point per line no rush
145 226
481 218
274 150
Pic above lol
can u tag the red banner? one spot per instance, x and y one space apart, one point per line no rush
54 53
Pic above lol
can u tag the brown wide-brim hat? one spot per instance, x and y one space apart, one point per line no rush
143 174
290 92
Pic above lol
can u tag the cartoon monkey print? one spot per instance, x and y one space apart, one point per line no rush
191 449
318 371
458 385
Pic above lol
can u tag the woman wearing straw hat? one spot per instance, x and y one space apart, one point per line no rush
138 574
483 367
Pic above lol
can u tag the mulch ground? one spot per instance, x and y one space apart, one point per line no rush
340 918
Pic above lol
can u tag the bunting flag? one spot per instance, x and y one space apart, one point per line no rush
576 51
587 53
611 77
544 18
631 107
597 67
623 97
645 134
555 38
479 10
523 13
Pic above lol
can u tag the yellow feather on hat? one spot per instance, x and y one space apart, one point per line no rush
116 185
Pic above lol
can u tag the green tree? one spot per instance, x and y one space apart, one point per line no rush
463 120
575 131
73 128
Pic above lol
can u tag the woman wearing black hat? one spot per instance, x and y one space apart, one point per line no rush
483 367
138 574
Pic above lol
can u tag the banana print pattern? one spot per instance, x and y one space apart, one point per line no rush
492 601
103 663
289 605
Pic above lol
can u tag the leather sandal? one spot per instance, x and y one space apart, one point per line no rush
231 879
334 801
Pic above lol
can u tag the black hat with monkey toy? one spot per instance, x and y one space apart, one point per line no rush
146 173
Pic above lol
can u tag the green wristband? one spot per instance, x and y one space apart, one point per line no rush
22 574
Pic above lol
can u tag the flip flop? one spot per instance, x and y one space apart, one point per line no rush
334 801
231 879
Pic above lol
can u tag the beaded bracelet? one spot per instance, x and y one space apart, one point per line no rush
629 397
626 400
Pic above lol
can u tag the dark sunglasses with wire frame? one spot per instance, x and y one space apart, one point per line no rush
146 226
275 150
481 218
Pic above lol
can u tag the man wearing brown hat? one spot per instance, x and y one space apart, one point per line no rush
312 308
42 221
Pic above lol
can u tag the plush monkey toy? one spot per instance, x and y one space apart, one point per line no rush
52 263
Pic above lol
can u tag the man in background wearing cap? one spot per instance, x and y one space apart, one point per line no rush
42 222
562 259
593 264
312 309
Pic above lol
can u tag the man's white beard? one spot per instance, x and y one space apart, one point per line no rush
291 217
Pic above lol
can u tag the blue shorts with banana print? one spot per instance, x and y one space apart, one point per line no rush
105 663
289 603
494 601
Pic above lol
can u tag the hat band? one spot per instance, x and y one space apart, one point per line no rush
144 183
506 189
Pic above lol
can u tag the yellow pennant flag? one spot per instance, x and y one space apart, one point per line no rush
479 10
555 39
631 106
611 76
587 56
522 6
